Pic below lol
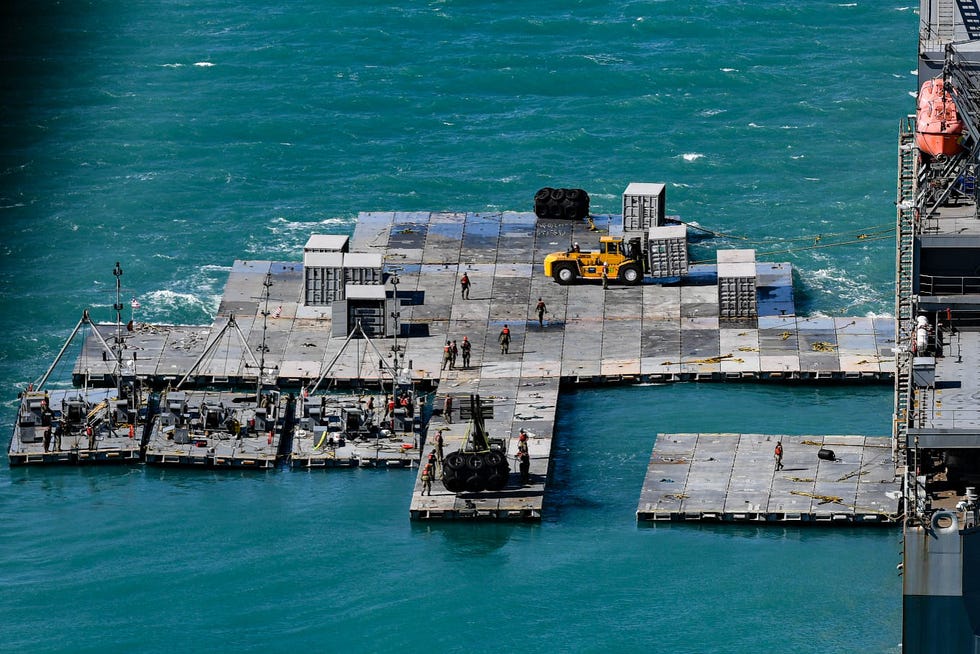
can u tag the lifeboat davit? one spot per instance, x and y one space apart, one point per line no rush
938 127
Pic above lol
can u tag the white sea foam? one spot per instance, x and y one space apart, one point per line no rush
179 306
288 236
729 70
711 112
754 125
692 156
203 64
604 59
850 286
172 65
867 314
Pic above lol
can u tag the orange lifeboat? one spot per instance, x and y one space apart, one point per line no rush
937 124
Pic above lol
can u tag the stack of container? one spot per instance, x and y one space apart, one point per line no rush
330 269
323 265
643 208
350 283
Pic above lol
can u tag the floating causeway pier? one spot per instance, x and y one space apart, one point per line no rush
623 334
733 478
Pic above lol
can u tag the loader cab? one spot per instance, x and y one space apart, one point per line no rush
610 246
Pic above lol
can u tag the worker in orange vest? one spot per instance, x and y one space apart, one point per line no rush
504 339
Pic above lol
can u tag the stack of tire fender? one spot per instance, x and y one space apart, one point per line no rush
472 472
567 203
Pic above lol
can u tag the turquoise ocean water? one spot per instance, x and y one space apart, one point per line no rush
175 137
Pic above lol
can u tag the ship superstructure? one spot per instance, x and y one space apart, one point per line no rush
937 380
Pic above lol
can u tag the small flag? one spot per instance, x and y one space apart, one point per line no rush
135 303
277 312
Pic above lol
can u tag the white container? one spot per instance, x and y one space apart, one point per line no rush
643 206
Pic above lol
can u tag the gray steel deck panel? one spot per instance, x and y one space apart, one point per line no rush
732 478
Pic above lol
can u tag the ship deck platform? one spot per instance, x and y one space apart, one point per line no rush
698 477
947 414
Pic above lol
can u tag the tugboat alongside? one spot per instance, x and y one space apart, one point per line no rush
937 378
83 425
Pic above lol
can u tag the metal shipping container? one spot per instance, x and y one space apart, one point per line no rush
737 285
324 277
643 206
362 268
323 286
366 304
736 298
667 251
326 243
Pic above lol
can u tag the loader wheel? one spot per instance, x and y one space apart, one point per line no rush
630 274
565 273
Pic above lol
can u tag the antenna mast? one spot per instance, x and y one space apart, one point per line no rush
117 345
265 323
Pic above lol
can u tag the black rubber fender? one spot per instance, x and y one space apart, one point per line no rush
455 461
496 481
475 483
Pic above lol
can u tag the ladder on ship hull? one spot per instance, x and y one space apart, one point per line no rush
906 225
